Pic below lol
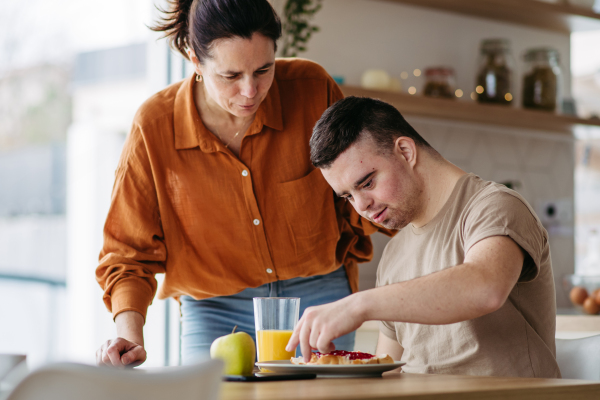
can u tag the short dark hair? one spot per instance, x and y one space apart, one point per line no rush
351 118
196 24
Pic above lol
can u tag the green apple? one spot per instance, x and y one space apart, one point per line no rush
237 350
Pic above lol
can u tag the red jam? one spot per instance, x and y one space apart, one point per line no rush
352 355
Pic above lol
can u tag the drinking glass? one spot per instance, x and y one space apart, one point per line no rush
275 319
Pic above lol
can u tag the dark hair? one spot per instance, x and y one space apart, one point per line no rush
351 118
210 20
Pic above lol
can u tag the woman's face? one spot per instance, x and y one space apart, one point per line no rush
240 73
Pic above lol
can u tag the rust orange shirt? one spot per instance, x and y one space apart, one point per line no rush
184 205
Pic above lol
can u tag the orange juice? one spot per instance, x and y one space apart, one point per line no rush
271 345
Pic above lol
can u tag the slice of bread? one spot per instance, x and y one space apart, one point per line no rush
341 357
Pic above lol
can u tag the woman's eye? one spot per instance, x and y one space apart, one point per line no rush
262 71
231 77
369 184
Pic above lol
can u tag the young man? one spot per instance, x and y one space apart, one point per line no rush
466 286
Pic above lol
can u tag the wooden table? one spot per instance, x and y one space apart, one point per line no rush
395 385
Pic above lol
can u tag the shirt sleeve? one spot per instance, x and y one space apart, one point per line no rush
387 328
134 249
503 214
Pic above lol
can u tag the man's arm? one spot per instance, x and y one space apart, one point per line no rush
391 347
477 287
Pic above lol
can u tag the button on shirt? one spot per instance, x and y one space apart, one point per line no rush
184 205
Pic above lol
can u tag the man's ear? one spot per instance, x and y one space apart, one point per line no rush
406 148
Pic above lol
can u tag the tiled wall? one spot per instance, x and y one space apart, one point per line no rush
540 163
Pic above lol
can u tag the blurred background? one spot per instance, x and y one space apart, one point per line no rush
73 73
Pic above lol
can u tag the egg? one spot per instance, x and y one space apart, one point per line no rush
597 296
590 306
578 295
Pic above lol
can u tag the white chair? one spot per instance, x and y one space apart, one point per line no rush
13 368
8 362
68 381
579 358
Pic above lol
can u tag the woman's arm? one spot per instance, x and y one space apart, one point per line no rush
128 347
132 253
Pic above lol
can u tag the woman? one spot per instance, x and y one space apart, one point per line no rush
215 188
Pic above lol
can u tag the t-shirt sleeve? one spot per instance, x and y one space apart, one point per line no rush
387 328
504 214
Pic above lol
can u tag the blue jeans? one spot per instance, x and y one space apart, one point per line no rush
202 321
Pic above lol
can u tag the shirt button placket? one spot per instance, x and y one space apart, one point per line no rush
255 221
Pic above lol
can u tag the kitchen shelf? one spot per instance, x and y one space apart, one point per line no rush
555 17
470 111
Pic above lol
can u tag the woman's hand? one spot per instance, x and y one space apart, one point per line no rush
120 353
128 348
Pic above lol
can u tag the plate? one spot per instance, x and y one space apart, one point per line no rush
285 366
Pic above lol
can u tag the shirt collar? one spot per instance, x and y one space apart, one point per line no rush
190 132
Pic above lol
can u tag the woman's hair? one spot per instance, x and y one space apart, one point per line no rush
196 24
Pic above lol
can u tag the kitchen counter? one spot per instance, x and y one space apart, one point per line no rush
395 385
576 325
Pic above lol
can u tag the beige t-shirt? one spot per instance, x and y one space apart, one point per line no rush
517 339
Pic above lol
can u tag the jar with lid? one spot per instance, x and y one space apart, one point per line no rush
440 82
540 82
494 77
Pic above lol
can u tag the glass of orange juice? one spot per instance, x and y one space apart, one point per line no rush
275 319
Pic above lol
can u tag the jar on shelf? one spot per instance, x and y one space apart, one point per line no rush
439 82
540 82
494 77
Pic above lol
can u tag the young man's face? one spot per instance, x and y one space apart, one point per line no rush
382 187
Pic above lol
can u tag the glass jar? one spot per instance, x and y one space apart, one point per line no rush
494 78
439 82
540 82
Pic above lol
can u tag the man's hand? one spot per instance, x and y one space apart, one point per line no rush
128 348
320 325
120 353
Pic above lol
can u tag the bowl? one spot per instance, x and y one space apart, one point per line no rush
590 283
